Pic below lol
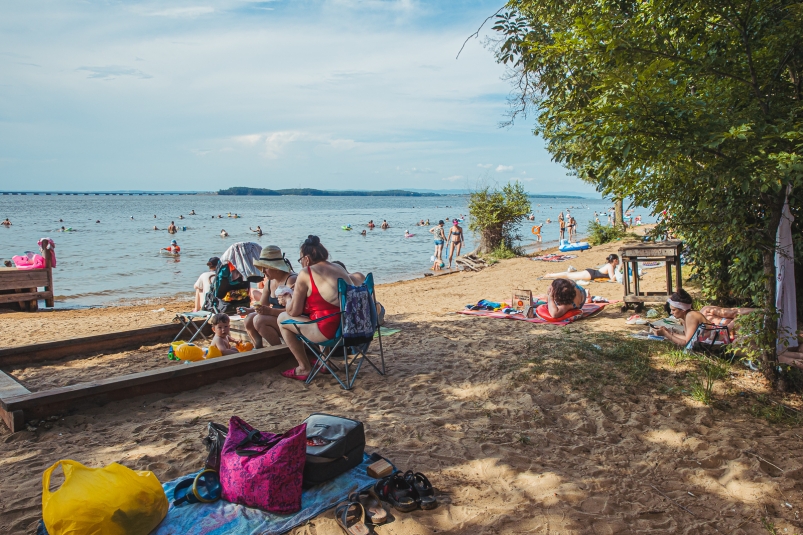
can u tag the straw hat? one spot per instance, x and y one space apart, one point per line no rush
272 257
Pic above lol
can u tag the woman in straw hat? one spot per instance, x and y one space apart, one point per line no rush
261 321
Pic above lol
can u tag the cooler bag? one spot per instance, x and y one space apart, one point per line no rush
335 445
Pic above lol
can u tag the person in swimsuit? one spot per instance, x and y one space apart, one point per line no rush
563 296
172 229
562 226
258 230
385 225
537 232
173 248
572 229
262 320
440 238
455 241
6 223
680 305
608 271
371 224
223 233
315 298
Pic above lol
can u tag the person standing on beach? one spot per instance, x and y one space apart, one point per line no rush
455 241
440 238
572 229
562 222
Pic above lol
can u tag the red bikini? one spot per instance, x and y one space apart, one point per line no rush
317 307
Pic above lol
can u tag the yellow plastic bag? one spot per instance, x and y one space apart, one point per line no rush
114 500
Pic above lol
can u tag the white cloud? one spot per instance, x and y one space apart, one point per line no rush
485 165
504 168
110 72
190 12
453 178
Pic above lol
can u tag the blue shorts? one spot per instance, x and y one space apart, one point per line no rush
438 242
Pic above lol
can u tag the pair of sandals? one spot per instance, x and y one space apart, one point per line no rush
361 508
406 492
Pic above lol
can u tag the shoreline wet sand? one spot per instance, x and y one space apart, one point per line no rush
522 428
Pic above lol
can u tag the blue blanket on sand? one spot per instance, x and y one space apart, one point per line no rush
224 517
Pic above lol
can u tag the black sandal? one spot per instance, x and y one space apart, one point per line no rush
423 489
397 492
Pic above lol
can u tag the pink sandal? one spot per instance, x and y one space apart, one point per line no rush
291 374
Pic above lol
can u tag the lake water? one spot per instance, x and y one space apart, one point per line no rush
118 259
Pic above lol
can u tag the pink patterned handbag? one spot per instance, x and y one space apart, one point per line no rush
263 470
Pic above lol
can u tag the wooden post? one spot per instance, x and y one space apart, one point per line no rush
49 301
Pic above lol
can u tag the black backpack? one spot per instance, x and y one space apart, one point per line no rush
335 445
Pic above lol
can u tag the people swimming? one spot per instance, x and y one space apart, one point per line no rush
371 224
6 223
155 227
385 225
407 234
192 212
172 228
258 230
173 248
223 233
180 216
363 233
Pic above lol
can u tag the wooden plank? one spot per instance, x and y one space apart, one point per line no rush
23 275
88 344
25 296
9 387
165 380
441 272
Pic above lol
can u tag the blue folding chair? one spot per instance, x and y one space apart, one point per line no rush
358 326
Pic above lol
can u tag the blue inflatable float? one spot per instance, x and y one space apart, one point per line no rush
566 246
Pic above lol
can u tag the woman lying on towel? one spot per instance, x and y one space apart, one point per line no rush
724 317
681 307
608 271
564 296
315 296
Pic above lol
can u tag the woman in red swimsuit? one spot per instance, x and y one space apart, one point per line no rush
315 296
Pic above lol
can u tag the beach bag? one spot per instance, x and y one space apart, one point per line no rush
113 500
335 445
709 338
263 470
358 327
215 438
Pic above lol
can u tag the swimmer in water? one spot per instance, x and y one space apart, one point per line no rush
61 221
371 224
180 216
6 223
172 229
407 234
173 248
192 212
132 218
363 233
155 227
154 216
385 224
223 233
98 221
63 229
258 230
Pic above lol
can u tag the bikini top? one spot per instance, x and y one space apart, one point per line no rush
585 296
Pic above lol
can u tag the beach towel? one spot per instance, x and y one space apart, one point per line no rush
242 255
588 310
554 257
223 518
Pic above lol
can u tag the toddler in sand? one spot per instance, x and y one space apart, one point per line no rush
220 326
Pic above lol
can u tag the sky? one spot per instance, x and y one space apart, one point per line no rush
203 95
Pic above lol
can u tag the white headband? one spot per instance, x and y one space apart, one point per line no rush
678 304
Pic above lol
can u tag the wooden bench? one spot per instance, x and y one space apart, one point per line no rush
22 285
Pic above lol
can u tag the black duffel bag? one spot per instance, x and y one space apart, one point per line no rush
335 445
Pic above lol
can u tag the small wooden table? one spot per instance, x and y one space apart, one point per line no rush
667 252
22 285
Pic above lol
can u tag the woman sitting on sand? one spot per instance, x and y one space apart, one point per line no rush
261 321
563 296
315 298
680 306
608 271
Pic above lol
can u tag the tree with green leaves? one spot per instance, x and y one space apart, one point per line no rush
692 107
496 214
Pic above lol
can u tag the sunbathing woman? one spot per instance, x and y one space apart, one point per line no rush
724 316
261 321
680 306
608 271
563 296
315 298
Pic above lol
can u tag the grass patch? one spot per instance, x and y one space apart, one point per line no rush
599 233
774 413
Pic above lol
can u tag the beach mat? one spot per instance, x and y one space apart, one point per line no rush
553 257
386 332
222 517
589 310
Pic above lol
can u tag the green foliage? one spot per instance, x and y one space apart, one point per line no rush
599 233
752 338
702 387
503 252
495 214
693 107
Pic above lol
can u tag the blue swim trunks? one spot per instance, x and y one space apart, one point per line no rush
438 242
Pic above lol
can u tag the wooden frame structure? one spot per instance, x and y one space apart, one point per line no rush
667 252
18 404
22 285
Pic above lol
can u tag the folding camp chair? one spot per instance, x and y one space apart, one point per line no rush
358 326
187 321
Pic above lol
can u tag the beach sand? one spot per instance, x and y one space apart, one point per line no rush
522 428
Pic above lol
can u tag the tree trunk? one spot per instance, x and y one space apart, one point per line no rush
770 359
618 214
490 239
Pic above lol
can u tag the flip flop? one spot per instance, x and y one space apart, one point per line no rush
373 507
291 374
350 517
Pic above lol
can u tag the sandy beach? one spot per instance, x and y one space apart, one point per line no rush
522 428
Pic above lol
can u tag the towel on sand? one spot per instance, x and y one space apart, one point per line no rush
589 310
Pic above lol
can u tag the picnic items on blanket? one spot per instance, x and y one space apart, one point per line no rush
261 469
203 488
113 500
553 257
215 438
334 445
